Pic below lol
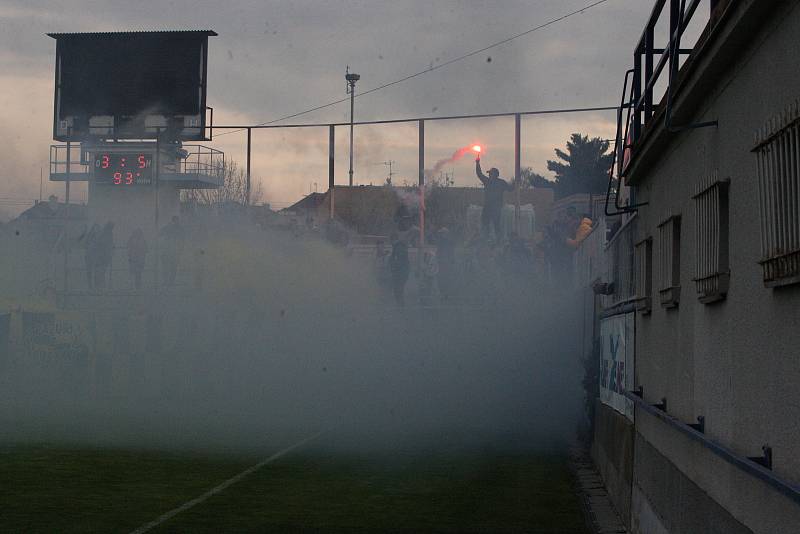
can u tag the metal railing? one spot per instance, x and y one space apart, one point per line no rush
646 74
70 155
203 160
639 88
751 465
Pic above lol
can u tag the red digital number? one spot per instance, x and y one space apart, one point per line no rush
142 161
105 161
117 178
128 178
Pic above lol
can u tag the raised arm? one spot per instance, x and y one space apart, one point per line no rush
482 177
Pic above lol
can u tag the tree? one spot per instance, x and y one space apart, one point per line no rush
233 188
532 179
584 166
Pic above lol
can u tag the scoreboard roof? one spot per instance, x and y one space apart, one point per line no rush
59 35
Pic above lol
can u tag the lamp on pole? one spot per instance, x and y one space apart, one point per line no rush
351 78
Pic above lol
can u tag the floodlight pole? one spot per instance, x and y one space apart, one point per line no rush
351 78
390 163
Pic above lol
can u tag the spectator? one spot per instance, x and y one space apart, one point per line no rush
517 258
172 239
104 253
382 273
582 232
91 241
137 252
494 188
429 270
446 257
200 240
400 268
402 218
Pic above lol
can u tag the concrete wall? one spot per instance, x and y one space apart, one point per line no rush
734 362
612 452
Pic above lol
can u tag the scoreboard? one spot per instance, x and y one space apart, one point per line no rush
128 85
123 168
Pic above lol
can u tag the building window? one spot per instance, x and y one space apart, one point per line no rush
711 239
778 165
643 258
669 248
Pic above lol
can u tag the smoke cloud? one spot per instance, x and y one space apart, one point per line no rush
439 165
291 336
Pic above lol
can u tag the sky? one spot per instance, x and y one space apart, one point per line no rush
273 59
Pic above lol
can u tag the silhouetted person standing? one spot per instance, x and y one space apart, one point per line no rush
172 239
137 252
91 241
400 267
446 256
104 254
494 187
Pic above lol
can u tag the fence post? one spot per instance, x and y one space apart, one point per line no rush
517 170
331 174
421 185
247 193
648 71
637 93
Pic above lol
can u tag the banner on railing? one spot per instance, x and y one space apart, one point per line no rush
617 362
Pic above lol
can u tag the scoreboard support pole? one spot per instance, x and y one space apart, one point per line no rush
157 255
247 192
65 230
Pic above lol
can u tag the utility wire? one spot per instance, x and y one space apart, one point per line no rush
432 67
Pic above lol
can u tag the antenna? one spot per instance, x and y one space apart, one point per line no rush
389 163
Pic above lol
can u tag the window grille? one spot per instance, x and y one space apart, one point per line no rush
620 266
669 248
711 239
643 258
778 166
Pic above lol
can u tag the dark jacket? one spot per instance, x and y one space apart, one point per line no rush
398 261
493 190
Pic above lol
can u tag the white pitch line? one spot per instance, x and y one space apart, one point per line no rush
213 491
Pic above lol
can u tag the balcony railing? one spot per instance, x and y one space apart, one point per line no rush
68 155
637 107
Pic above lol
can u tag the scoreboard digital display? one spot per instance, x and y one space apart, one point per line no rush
123 168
